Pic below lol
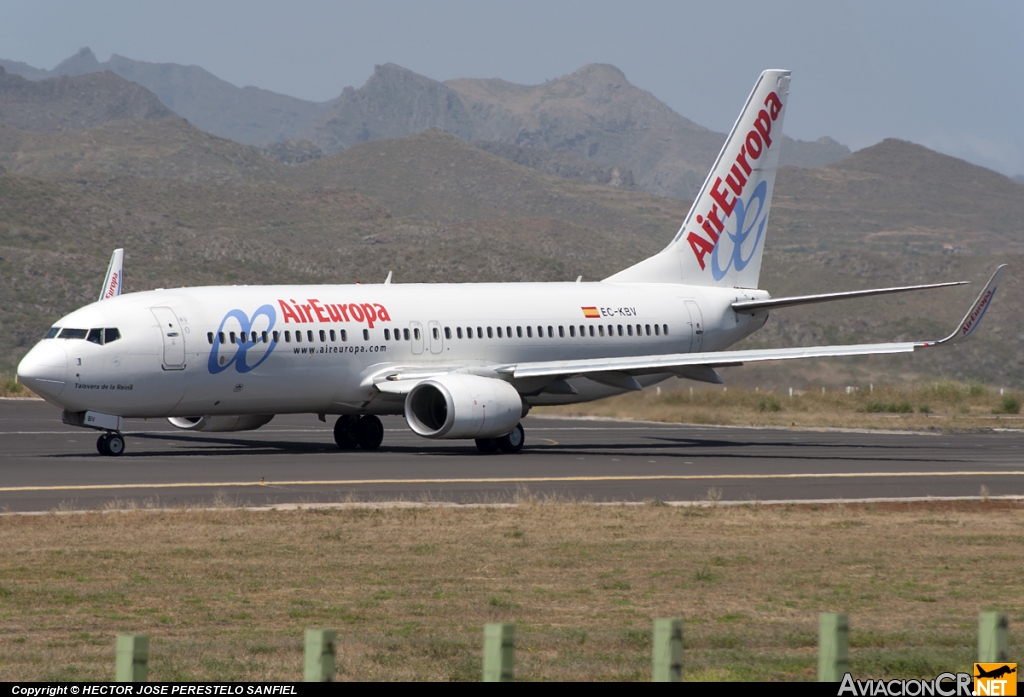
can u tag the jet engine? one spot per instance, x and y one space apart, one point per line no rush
463 406
240 422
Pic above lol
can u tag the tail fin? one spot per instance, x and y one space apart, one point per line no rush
722 238
115 276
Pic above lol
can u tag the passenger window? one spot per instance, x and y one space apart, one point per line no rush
499 332
657 330
540 332
288 337
572 331
366 335
220 338
647 329
469 332
323 335
298 337
73 333
209 337
232 335
447 332
591 330
583 330
344 335
490 333
264 336
519 332
561 332
52 333
479 332
664 328
434 333
611 330
458 332
309 335
508 332
551 332
416 333
334 337
405 334
620 330
95 336
387 335
639 330
629 329
529 332
277 337
600 330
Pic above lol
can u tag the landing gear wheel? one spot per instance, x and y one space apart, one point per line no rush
115 444
369 432
512 442
487 445
345 432
101 444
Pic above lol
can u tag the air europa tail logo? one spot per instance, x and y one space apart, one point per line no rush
115 278
728 203
315 311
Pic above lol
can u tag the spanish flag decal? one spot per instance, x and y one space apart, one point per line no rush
591 313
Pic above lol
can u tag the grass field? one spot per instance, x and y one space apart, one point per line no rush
226 594
941 405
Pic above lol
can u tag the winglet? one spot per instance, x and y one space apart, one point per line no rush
115 275
973 317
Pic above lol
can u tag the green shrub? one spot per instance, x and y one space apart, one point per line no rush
1010 405
769 404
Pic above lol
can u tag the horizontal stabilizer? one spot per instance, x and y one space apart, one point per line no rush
754 306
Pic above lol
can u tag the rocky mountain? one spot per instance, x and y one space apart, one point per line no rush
594 115
69 103
246 114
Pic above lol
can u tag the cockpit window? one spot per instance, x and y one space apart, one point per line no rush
111 334
69 333
52 333
95 336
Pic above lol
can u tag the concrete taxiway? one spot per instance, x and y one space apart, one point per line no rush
45 465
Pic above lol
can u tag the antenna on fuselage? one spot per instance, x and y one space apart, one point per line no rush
387 281
115 276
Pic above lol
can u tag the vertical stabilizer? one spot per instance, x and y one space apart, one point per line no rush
115 276
722 238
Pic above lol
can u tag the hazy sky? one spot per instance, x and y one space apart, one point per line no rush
943 74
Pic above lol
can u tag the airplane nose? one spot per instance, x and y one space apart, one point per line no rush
44 369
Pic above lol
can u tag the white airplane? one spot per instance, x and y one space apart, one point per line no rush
458 360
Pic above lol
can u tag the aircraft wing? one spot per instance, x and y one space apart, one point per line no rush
753 306
618 370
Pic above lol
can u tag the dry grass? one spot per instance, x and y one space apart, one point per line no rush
226 594
942 405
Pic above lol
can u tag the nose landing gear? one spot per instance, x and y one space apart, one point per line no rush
110 444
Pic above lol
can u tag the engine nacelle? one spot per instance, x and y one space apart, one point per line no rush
463 406
240 422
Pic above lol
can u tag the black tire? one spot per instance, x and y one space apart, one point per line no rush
512 442
115 444
487 445
370 432
101 444
345 432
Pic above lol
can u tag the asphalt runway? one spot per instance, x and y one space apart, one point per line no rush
45 465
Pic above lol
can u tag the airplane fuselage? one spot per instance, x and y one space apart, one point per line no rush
317 349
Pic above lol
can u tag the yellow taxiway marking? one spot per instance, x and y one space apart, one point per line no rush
514 480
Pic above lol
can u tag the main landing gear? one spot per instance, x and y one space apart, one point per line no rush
511 442
366 432
110 444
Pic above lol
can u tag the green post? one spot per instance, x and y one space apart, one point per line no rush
667 654
833 642
132 659
319 655
499 651
993 645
